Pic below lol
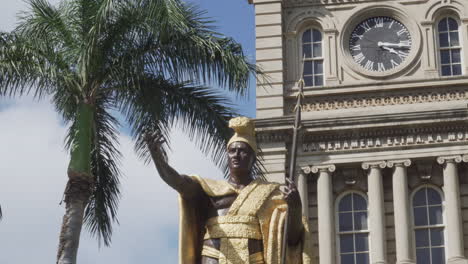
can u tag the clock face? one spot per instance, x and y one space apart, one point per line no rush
380 44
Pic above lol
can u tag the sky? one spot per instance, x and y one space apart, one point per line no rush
33 166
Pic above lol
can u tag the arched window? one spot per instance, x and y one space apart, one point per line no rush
449 47
428 226
353 233
313 58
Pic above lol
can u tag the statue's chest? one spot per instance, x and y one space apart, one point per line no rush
219 206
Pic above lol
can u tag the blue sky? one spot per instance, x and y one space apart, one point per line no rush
33 171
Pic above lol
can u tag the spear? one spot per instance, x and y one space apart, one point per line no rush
292 165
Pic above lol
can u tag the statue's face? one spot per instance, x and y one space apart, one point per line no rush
241 157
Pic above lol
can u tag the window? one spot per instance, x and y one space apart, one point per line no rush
312 56
428 226
449 47
353 233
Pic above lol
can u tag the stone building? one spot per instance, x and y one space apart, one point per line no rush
383 158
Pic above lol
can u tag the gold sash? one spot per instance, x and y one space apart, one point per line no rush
239 225
256 258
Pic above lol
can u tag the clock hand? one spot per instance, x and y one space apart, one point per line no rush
390 49
395 45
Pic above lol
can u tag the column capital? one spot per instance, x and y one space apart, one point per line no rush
449 159
323 168
399 163
306 169
465 158
374 164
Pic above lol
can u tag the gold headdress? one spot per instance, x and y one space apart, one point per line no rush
244 131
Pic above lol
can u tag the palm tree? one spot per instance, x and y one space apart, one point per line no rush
148 61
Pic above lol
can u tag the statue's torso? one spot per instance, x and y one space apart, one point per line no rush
219 206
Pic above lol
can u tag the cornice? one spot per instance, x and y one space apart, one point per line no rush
295 3
381 86
349 101
285 123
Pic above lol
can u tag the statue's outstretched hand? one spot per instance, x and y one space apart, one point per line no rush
187 187
155 142
293 199
291 195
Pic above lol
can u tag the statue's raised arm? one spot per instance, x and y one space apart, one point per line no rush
183 184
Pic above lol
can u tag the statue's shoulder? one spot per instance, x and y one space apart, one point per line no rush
213 187
273 187
268 184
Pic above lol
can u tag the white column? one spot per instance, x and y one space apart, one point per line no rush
325 208
401 210
304 191
376 211
454 245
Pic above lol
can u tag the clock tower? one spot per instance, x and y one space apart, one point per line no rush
383 156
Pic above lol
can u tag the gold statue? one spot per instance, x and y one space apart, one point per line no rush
240 220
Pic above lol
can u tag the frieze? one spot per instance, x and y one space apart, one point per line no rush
272 136
326 2
373 100
385 142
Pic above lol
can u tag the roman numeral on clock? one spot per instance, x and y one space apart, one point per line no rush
402 55
354 35
359 58
356 47
369 65
380 67
405 42
366 26
401 31
379 21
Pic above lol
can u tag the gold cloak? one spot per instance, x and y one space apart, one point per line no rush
260 200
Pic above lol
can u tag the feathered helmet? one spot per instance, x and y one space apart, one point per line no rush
244 129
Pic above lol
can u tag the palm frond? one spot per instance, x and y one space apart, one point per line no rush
176 40
204 115
101 210
45 20
156 104
21 68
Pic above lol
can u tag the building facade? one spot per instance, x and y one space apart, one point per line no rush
383 157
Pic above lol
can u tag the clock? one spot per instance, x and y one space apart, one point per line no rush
380 44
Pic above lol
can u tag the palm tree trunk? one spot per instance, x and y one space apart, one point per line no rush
79 186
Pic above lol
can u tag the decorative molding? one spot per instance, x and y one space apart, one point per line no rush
272 136
323 168
297 20
454 158
399 163
375 100
374 165
291 3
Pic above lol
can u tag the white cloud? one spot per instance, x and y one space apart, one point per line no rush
33 175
